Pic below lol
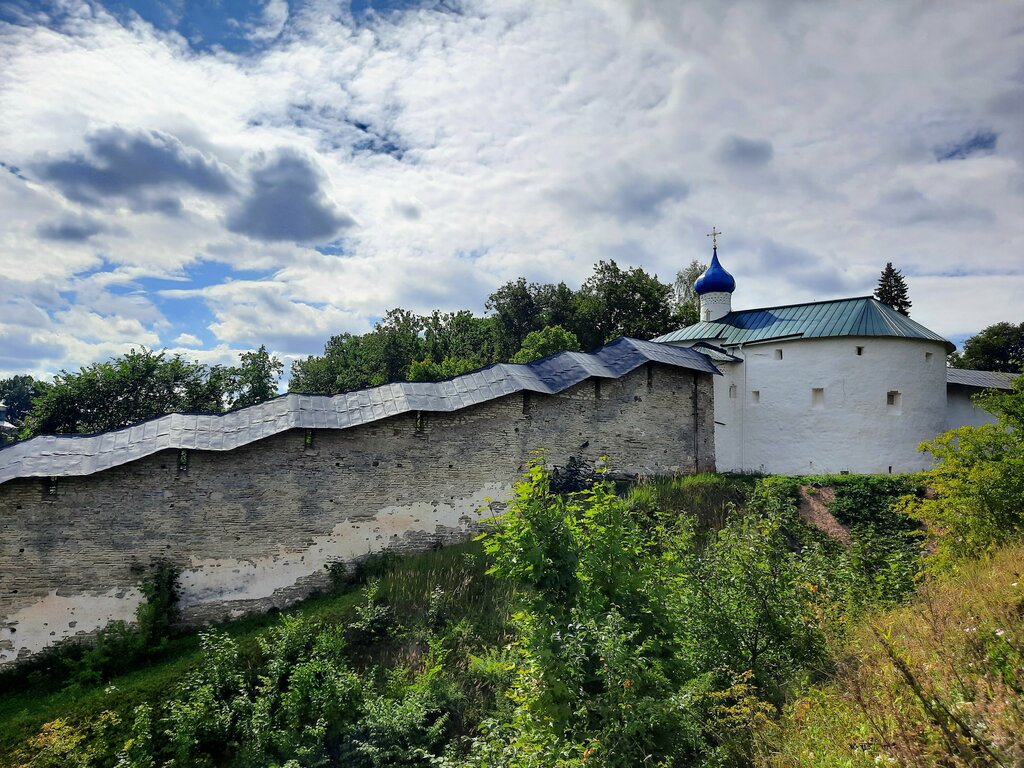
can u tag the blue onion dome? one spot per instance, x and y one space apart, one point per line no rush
715 279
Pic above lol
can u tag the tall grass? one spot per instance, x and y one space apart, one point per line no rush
938 682
706 497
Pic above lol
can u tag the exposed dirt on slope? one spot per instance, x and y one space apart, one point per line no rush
814 511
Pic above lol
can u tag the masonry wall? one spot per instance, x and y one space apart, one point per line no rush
255 527
807 406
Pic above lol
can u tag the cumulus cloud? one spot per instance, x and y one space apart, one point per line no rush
71 229
188 340
127 165
741 152
287 201
511 138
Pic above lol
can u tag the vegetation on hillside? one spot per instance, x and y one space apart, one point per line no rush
695 621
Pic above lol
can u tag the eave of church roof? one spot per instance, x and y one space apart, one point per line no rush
61 455
860 316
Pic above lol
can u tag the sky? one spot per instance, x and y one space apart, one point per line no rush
210 176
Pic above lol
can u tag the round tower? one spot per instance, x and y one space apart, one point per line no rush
715 289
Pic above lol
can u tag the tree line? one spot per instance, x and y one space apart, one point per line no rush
524 321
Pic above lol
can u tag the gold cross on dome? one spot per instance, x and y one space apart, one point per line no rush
713 234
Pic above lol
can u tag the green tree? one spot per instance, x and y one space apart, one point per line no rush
999 347
394 344
978 483
255 379
686 302
353 362
428 370
515 310
17 393
544 342
892 290
345 365
459 335
615 302
139 385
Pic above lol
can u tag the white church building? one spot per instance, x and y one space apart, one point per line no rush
848 385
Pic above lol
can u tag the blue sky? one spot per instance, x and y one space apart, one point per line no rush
209 176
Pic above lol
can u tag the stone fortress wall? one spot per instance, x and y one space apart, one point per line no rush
254 527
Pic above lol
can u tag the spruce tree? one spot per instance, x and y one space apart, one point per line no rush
892 290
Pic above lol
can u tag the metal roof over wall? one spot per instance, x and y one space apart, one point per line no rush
861 316
61 455
980 379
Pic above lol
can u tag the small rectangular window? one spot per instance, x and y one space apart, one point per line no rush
732 391
818 397
894 400
778 354
755 396
927 357
860 351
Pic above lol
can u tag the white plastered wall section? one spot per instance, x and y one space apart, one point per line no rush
961 410
816 406
715 305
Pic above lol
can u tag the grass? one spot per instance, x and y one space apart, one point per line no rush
937 682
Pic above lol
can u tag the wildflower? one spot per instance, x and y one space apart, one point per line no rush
1000 632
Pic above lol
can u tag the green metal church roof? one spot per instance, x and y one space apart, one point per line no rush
861 316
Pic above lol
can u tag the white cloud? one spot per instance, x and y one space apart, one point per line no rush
188 340
518 138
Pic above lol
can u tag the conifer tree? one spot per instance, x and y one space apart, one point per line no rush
892 290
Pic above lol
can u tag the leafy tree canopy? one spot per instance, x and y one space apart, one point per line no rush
428 370
615 302
139 385
255 380
1000 347
546 341
892 290
978 483
686 303
144 384
17 394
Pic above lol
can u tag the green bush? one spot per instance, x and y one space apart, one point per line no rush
978 485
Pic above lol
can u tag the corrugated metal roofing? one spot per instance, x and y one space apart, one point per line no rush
861 316
980 379
60 455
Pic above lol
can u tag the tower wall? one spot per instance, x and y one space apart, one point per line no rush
819 406
715 305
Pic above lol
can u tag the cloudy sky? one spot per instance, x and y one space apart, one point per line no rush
210 176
